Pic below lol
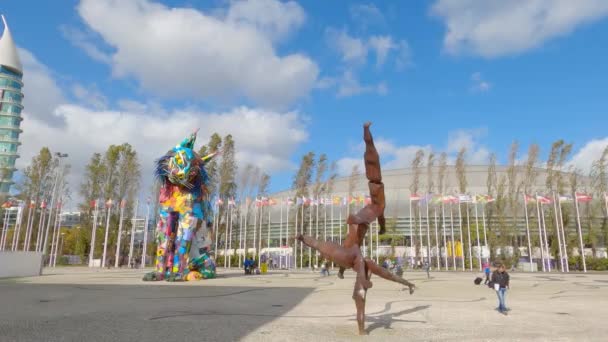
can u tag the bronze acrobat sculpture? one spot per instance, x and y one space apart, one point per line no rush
349 254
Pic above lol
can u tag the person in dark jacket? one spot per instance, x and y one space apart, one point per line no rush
500 281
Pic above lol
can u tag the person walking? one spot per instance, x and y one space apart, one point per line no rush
500 281
427 268
486 269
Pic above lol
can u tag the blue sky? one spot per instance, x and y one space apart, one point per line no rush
286 78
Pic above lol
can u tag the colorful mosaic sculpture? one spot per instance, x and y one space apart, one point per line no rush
185 214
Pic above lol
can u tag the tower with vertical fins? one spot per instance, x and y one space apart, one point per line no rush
11 84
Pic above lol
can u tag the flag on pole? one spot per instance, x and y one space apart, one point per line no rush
529 199
565 198
231 202
272 201
414 197
32 204
109 203
219 201
299 201
123 203
583 198
290 201
543 199
463 198
43 205
7 204
449 199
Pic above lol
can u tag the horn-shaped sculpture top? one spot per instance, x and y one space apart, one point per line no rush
349 255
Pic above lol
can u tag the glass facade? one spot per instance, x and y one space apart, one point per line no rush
10 120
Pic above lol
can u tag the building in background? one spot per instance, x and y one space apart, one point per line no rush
11 74
70 219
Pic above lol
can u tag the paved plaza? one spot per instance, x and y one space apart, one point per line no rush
78 304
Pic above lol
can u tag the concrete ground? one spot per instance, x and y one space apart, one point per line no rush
78 304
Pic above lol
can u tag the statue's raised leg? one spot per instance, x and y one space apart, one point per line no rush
384 273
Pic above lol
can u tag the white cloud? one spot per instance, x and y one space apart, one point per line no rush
492 28
90 95
352 50
151 129
382 46
182 52
41 93
592 151
479 84
276 19
366 15
349 85
84 42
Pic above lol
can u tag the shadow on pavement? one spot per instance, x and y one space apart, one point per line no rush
62 312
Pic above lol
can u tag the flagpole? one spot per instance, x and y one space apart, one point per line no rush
452 237
216 229
295 241
580 233
132 242
231 218
41 224
287 260
28 232
255 228
460 229
121 216
420 231
317 232
485 234
260 233
469 235
377 243
559 238
428 232
56 233
445 240
412 233
281 236
565 242
226 235
93 231
332 227
477 232
144 248
268 236
105 240
241 233
540 234
245 225
528 233
310 233
437 254
302 232
545 237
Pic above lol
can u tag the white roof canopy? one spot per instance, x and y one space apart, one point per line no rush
8 50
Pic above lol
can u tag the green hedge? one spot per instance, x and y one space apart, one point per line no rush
593 264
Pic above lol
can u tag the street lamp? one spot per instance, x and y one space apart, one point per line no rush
60 156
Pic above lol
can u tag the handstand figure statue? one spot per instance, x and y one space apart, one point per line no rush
349 254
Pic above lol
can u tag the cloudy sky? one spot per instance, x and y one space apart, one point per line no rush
285 78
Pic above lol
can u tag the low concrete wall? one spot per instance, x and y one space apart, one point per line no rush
20 264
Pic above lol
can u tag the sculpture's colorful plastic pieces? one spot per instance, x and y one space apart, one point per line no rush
185 214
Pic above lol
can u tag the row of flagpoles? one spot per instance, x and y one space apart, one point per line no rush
439 202
99 208
47 218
